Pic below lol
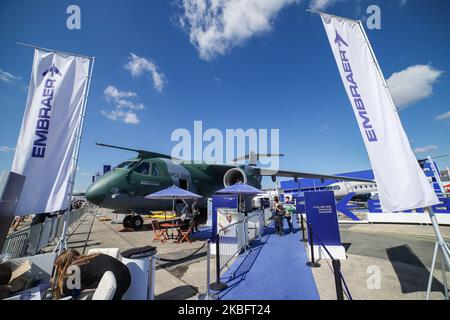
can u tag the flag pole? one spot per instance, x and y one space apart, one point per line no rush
331 15
52 50
445 255
440 240
375 61
62 243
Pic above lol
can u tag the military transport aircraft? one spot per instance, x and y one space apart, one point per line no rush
124 188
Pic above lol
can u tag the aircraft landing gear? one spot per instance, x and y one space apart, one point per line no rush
133 221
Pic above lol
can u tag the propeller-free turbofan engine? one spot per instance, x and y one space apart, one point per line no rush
233 176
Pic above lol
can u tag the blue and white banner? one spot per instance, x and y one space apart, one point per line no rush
47 139
402 185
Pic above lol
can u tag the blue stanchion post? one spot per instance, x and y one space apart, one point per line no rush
312 263
218 286
338 279
302 225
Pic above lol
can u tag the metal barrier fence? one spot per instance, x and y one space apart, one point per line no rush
237 237
32 240
267 216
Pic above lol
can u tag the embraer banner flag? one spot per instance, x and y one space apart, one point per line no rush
402 185
46 144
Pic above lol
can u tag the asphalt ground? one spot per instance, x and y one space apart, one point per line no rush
384 261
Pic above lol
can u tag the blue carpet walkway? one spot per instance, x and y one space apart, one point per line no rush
202 234
274 270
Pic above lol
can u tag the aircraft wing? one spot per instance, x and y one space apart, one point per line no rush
142 153
296 175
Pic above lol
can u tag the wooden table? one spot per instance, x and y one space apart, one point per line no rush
168 225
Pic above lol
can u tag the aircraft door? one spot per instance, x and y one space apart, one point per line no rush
183 184
349 188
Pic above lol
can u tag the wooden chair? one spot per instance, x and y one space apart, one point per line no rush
184 235
159 233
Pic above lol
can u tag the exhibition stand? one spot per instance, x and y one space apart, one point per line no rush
323 226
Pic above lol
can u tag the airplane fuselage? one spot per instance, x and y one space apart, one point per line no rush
125 187
362 190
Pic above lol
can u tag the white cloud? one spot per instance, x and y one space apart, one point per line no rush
6 149
444 116
124 108
216 26
112 93
425 149
138 66
8 77
321 4
81 172
128 117
412 84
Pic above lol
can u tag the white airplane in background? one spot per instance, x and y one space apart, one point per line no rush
362 190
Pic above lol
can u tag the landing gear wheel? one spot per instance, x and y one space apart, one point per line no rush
137 222
127 221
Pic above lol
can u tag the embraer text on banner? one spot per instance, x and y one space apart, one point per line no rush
402 185
47 140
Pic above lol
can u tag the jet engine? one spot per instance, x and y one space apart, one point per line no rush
233 176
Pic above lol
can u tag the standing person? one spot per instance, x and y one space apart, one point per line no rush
278 215
288 213
195 216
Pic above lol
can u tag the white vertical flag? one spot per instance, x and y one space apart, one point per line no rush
402 184
47 139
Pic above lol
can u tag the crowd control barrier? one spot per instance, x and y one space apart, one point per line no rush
231 241
33 239
339 280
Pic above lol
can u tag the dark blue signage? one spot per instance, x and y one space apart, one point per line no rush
300 204
321 213
444 207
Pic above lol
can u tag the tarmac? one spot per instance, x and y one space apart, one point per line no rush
384 261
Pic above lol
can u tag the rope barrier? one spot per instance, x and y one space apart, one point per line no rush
184 258
341 276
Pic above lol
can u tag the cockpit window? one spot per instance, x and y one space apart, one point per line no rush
143 168
126 164
155 170
337 188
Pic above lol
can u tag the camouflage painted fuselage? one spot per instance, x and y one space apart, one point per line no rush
125 187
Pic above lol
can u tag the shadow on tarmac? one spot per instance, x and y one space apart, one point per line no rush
403 259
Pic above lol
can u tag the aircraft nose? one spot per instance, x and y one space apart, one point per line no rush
95 194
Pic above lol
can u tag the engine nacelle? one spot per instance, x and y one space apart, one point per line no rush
233 176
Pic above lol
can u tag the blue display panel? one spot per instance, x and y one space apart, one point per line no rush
300 204
321 214
444 207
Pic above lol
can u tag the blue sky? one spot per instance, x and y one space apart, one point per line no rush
276 74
